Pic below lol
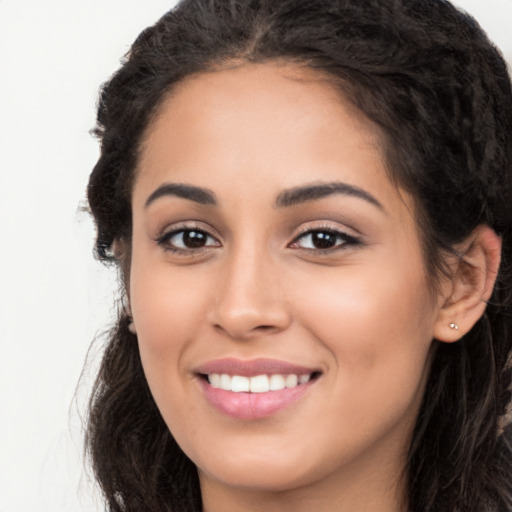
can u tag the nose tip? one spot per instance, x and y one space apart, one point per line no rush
240 322
249 303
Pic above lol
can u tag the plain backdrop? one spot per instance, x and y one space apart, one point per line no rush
54 298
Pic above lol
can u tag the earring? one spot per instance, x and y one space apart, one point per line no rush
454 326
131 328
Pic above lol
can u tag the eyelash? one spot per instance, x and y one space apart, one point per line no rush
347 240
164 241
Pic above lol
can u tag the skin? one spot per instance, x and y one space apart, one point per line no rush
362 313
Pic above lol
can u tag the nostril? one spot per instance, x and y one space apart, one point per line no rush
245 322
249 332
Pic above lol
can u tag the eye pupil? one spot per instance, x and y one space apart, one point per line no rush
323 240
194 239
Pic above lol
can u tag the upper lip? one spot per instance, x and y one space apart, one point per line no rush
251 368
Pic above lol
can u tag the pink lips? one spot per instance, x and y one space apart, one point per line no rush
253 367
251 406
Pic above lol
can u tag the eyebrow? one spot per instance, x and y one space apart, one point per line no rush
298 195
287 198
190 192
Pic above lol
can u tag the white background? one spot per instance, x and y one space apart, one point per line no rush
53 297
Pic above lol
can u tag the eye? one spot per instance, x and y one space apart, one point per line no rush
187 240
323 240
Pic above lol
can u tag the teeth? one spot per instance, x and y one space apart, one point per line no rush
214 379
257 384
304 378
277 382
291 381
225 381
239 384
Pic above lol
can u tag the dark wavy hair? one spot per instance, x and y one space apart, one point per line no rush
438 90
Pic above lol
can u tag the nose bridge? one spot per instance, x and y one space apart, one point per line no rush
249 301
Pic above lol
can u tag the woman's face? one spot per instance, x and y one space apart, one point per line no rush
277 284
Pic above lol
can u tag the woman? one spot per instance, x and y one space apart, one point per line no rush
310 206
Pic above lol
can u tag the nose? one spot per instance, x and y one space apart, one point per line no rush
250 300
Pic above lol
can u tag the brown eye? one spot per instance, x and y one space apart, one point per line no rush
193 239
323 240
188 240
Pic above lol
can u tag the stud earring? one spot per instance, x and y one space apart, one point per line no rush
454 326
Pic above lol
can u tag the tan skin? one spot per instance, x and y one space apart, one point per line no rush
336 283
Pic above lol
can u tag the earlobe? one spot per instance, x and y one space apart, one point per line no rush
128 312
131 323
131 327
119 253
118 249
474 274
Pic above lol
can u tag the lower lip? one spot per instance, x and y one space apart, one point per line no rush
252 406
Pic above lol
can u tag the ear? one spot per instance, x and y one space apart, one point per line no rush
119 251
466 293
131 325
118 248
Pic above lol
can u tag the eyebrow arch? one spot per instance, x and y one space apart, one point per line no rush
190 192
313 192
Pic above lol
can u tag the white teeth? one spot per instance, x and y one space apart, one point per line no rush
225 382
257 384
277 383
239 384
214 380
291 381
304 378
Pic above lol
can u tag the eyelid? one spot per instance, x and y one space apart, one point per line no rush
349 240
345 238
166 234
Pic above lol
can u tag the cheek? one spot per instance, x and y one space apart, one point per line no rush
166 304
356 302
377 324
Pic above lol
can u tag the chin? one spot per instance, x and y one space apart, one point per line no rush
270 476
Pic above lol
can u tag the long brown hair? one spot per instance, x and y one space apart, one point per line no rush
429 78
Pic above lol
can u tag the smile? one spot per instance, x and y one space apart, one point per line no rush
258 383
250 390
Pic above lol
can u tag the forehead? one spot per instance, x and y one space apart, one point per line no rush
261 125
252 98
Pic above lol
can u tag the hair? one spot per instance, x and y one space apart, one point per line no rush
438 90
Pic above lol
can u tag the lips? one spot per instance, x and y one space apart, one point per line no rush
253 367
254 389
